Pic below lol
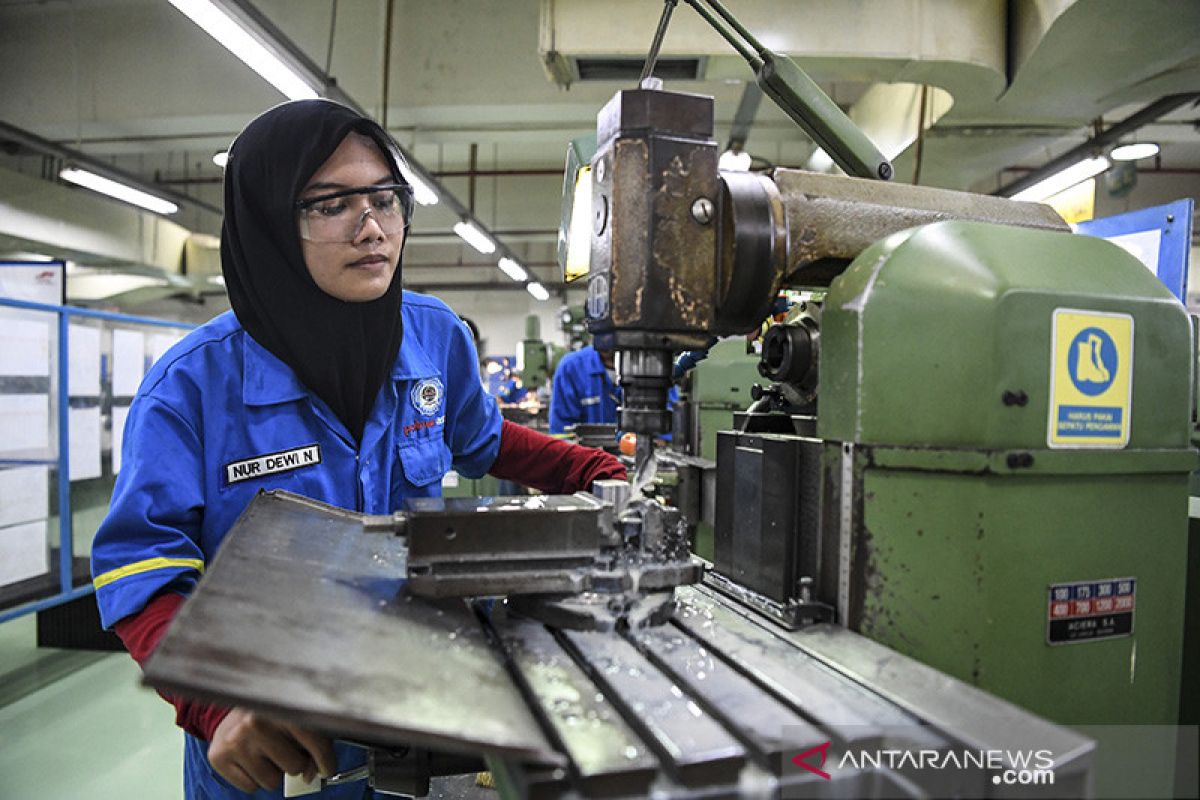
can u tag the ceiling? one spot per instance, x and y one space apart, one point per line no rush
486 94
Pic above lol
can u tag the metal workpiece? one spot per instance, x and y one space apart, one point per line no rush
832 219
613 491
547 547
302 617
505 545
655 532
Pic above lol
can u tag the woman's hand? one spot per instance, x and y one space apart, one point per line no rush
251 751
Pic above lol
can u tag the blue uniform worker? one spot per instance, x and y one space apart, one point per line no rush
327 380
219 418
583 391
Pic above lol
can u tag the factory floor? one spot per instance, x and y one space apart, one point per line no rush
78 724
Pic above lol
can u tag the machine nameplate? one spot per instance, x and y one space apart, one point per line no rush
1086 611
1091 379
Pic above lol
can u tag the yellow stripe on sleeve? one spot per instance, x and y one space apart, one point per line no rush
149 564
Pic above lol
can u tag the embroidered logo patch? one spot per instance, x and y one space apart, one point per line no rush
272 463
426 396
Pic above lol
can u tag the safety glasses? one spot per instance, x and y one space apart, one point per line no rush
340 216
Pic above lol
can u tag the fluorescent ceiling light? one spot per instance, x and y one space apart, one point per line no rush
512 269
421 191
221 158
22 256
237 40
475 237
732 161
120 191
537 290
1065 179
1133 152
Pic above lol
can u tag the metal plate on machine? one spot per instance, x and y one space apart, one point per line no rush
695 748
304 616
772 728
607 756
1088 611
827 698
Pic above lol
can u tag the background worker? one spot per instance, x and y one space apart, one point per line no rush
371 392
584 390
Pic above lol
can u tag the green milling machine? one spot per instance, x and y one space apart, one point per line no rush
974 446
988 470
1017 521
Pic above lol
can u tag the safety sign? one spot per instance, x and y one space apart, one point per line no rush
1091 379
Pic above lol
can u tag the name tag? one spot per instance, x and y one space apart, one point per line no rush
273 463
588 401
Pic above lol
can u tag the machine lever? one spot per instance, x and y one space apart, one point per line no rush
801 98
656 45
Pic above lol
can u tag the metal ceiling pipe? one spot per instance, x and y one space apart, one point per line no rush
743 118
1159 108
66 154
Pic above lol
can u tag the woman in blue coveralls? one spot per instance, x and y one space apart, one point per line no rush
326 379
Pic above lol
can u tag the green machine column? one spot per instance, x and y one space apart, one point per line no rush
1010 409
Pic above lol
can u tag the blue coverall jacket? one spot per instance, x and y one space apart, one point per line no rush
582 391
219 418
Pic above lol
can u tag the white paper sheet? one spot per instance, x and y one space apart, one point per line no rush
85 443
37 283
129 362
84 361
24 346
119 415
24 494
160 343
23 552
24 422
1142 245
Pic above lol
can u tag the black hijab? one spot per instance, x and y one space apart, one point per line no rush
342 351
